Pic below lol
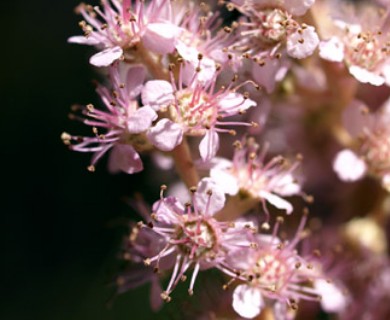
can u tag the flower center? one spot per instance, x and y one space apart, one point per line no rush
272 25
271 272
198 238
193 111
250 182
366 50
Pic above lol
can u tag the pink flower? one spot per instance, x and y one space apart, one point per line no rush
361 41
196 110
123 25
193 237
250 174
128 128
271 27
372 152
201 36
276 276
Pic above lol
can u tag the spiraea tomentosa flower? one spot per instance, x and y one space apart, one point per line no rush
128 128
278 277
361 41
193 237
270 27
123 25
250 175
371 152
201 34
197 109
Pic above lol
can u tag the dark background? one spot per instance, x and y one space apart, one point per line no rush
61 226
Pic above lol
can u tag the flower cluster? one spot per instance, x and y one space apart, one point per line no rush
250 110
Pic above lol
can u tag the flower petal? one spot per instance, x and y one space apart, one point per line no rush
141 120
226 181
124 158
209 204
302 44
298 7
83 40
332 297
106 57
161 37
365 76
276 201
247 301
332 50
134 80
348 166
157 94
233 102
166 135
209 145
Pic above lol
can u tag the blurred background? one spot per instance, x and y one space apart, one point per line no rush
61 226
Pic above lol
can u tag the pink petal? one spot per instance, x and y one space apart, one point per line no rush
167 209
348 166
141 120
276 201
135 79
106 57
247 301
157 94
161 37
209 145
298 49
83 40
166 135
124 158
209 204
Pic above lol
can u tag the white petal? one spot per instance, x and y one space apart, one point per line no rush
348 166
83 40
332 297
209 204
209 145
332 50
276 201
141 120
227 182
234 102
302 45
386 182
157 94
287 186
247 301
106 57
166 135
365 76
